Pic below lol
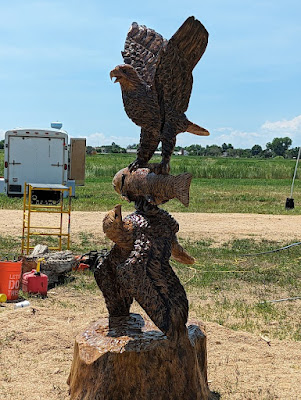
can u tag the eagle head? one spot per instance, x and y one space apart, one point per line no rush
126 75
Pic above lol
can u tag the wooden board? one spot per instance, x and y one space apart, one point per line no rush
77 160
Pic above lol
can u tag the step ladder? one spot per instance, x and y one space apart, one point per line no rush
53 199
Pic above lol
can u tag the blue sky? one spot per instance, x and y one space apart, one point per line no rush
55 59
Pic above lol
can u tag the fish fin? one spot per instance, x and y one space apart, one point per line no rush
180 255
181 186
197 130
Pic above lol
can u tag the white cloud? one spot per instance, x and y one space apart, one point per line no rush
100 139
2 133
265 133
284 125
238 138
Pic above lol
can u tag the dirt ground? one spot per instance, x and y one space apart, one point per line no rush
36 343
219 227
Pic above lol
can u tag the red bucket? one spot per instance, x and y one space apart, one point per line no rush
10 274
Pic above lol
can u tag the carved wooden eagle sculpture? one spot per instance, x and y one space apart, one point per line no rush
156 83
138 267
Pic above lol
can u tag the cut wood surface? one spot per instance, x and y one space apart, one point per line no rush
219 227
135 361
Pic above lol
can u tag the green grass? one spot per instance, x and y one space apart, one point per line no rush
223 286
219 185
235 291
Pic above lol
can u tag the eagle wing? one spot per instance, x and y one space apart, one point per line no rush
148 277
175 63
141 49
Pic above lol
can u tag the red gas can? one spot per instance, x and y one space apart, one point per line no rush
35 282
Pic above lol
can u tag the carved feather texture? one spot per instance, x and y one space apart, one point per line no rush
142 271
148 276
141 49
158 101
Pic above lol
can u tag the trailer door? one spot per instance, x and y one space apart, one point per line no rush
35 159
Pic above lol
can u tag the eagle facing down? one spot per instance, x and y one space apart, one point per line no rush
156 83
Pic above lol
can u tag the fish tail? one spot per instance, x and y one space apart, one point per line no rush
181 187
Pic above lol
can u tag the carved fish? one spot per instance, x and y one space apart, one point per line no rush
157 189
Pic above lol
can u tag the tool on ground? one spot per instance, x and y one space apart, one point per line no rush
89 260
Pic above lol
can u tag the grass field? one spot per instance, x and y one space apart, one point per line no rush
219 185
223 287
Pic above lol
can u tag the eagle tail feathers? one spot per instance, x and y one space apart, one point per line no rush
197 130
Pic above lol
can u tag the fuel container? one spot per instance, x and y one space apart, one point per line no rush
35 282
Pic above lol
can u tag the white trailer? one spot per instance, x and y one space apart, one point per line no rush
35 155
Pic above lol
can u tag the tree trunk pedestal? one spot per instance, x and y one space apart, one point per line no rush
133 360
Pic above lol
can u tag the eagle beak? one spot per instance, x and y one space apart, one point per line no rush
114 74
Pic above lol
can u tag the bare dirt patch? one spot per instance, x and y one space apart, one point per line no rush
36 343
37 348
196 226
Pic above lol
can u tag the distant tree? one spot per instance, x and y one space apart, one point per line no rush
292 153
195 150
213 150
90 150
247 153
256 150
132 146
244 153
267 153
115 148
226 147
232 153
279 145
1 144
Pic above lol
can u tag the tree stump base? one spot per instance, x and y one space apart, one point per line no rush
131 359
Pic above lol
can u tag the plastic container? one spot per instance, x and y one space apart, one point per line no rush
22 304
10 274
34 281
3 298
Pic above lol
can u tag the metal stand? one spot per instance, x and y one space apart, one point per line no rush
45 198
289 204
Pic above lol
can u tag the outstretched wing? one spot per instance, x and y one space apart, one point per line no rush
176 61
141 49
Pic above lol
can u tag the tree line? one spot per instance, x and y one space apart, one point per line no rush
277 147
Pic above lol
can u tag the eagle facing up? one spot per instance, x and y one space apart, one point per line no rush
156 83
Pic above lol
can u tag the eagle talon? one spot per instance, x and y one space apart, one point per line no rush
135 165
165 167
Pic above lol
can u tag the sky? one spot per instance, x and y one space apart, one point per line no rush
55 59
